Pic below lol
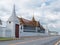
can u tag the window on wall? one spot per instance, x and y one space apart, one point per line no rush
9 21
21 27
41 31
29 28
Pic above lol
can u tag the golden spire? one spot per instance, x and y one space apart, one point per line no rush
33 19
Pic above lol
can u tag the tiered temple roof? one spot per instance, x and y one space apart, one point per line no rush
32 22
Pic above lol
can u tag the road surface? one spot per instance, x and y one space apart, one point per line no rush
33 41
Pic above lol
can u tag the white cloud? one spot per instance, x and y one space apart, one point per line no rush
47 11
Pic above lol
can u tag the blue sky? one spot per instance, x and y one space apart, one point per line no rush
45 11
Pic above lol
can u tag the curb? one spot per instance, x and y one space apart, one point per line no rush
16 38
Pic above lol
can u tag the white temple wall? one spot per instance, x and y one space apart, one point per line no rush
2 31
11 28
32 34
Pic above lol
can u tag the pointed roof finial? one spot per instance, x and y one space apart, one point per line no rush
13 16
33 13
33 19
14 8
13 12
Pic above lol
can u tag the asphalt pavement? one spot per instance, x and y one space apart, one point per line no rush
51 40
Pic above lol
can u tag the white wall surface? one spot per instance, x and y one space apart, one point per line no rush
32 34
11 27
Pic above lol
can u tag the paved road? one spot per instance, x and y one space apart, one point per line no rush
33 41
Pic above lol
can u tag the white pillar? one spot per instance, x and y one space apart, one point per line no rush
19 30
13 34
36 29
22 28
46 32
13 31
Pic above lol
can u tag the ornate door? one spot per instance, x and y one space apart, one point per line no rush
17 31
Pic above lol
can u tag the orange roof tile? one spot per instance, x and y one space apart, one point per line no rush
30 23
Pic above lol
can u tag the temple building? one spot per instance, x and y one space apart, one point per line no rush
17 27
31 25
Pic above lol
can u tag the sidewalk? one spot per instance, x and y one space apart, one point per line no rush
29 37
